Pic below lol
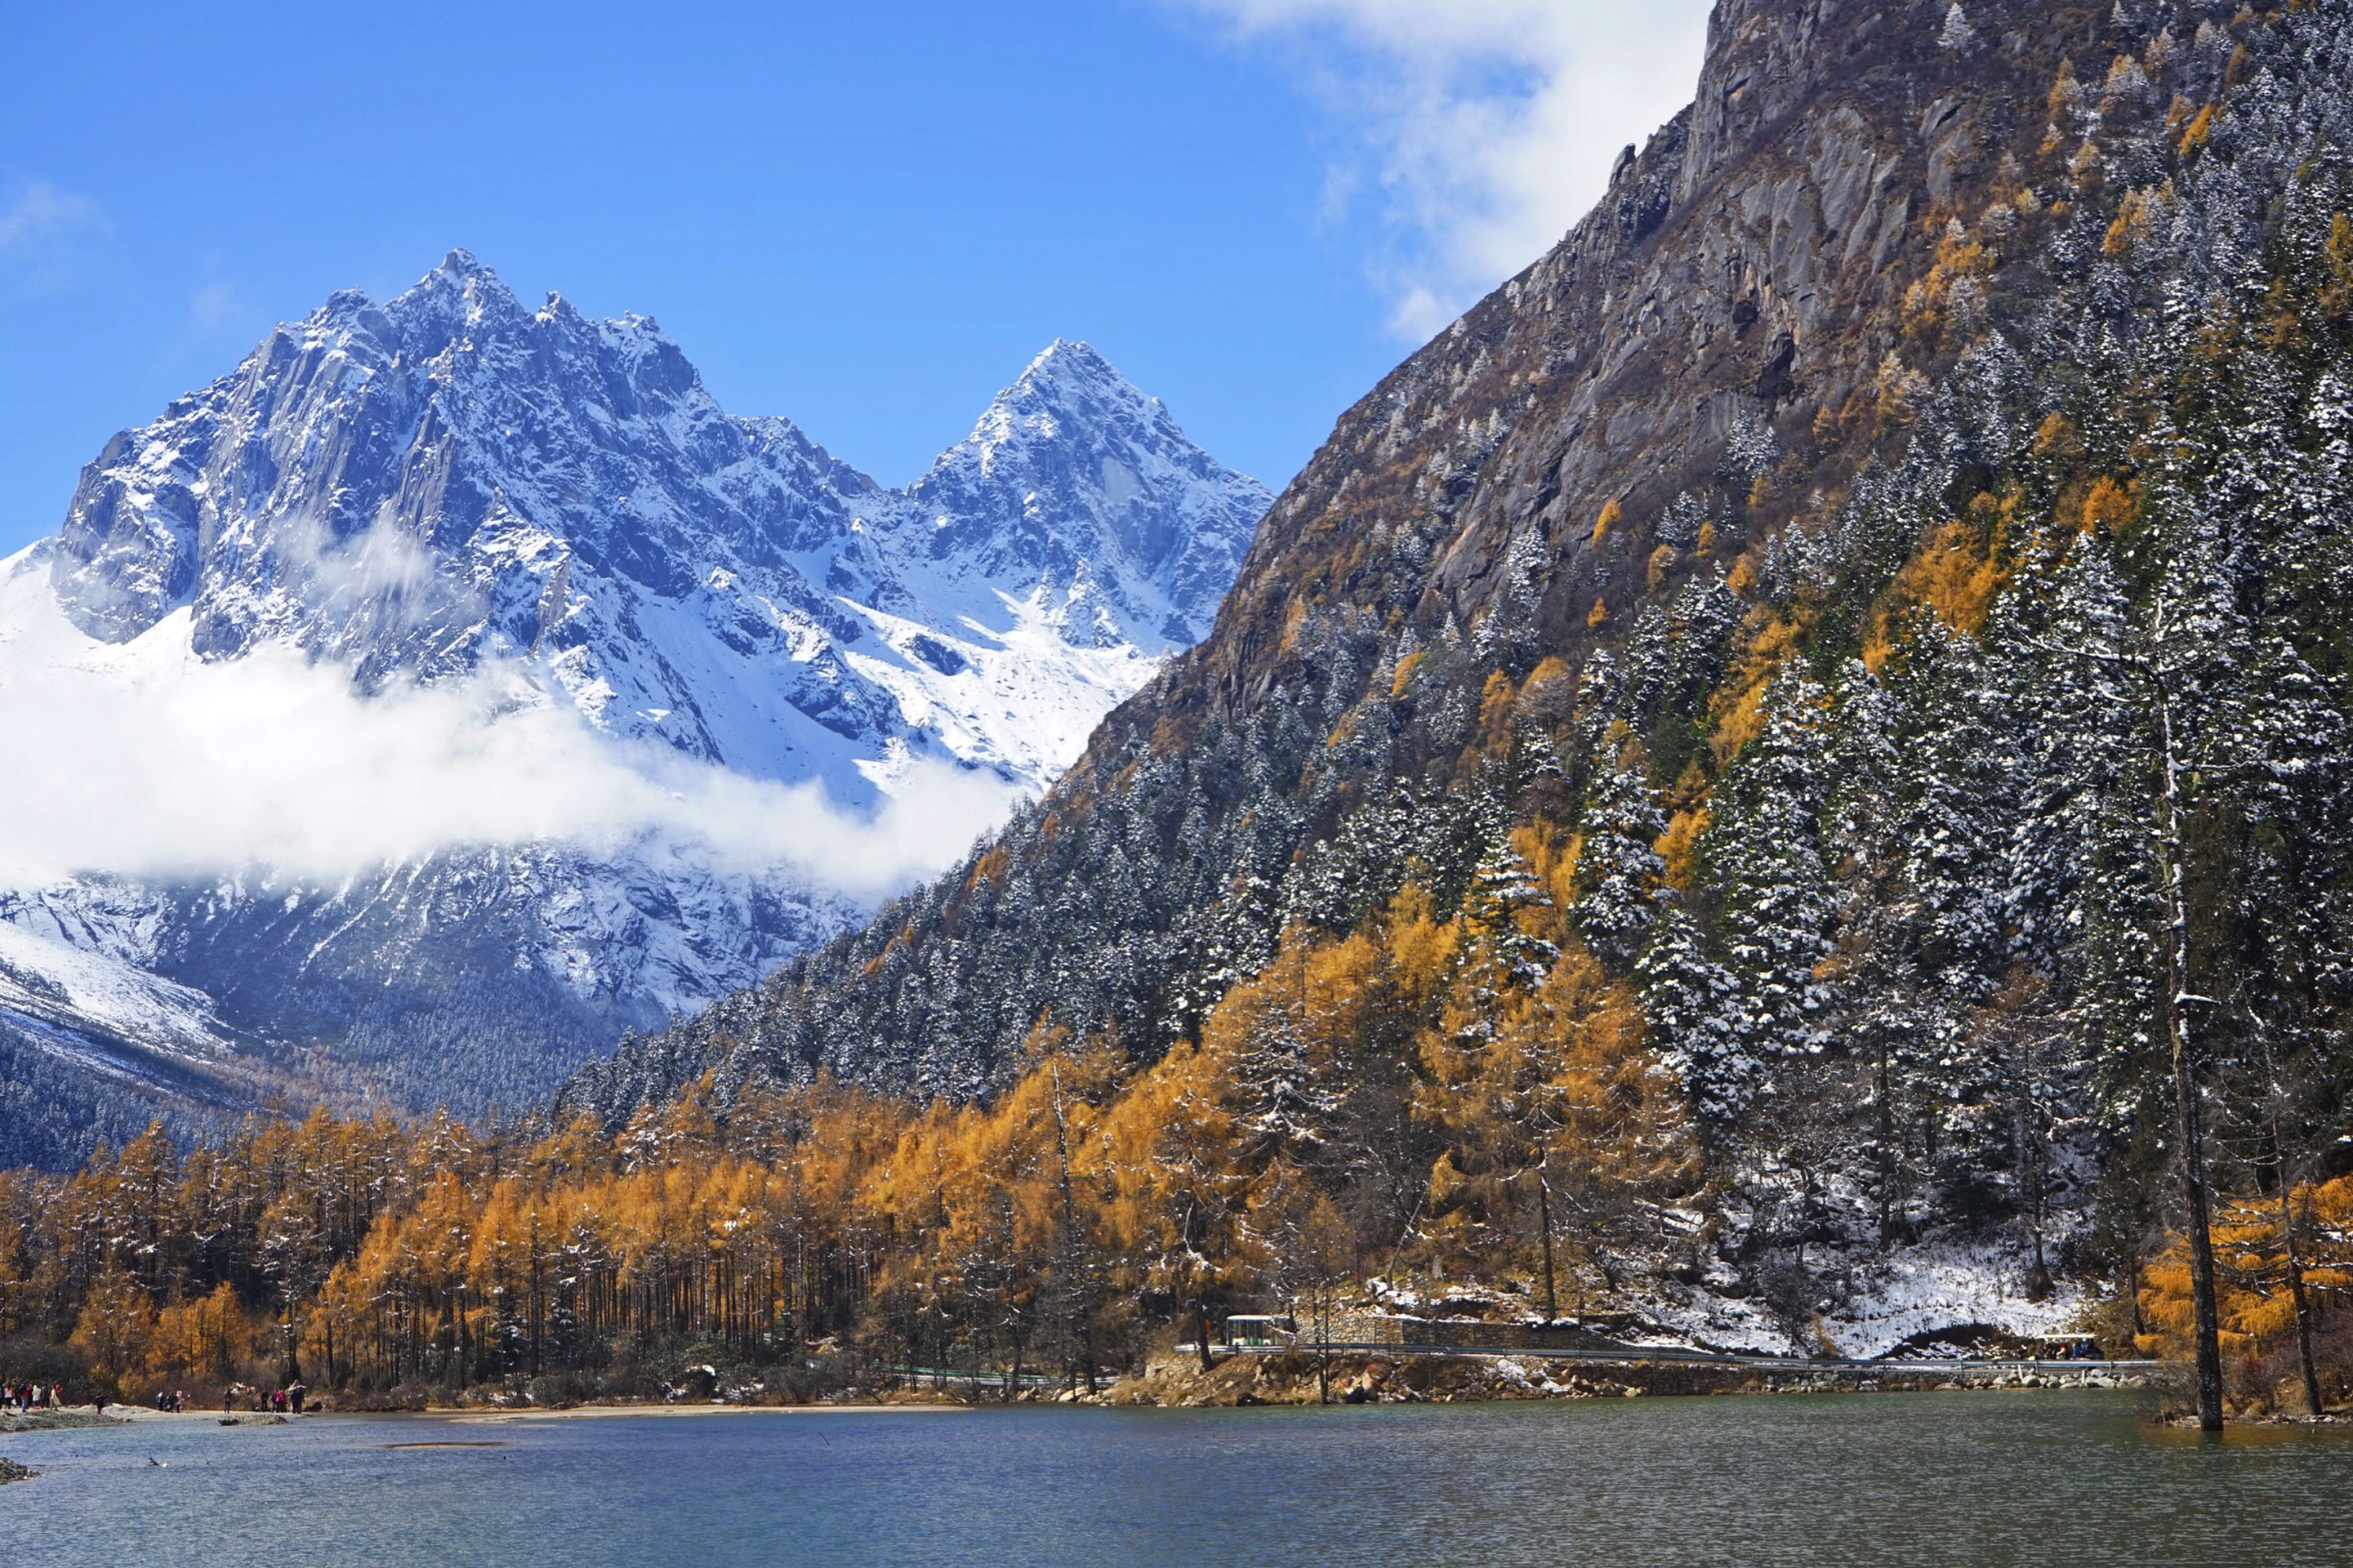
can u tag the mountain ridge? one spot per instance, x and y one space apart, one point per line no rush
452 491
557 474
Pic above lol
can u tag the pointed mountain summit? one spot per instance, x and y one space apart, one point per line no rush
1072 468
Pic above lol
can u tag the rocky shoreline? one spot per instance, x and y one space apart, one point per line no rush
1294 1379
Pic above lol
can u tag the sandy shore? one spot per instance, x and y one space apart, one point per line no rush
664 1412
73 1418
85 1419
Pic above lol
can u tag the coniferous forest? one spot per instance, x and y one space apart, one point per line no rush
1807 730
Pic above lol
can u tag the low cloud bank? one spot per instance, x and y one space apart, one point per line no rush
165 767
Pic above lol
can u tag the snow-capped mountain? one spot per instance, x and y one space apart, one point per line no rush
452 478
455 491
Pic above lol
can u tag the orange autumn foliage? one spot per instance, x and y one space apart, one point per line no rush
1952 580
2251 1272
1088 1199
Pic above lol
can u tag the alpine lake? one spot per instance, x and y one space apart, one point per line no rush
1960 1478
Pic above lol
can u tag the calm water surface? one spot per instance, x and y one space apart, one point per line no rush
1974 1480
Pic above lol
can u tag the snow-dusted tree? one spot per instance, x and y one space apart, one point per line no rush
2218 702
1689 1003
1957 34
1617 866
1765 859
1508 912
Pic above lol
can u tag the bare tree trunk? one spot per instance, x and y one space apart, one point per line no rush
1544 1218
2033 1161
1323 1345
1886 1141
1082 1293
2201 1242
2296 1294
2184 1081
1201 1309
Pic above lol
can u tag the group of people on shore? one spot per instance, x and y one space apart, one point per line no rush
286 1401
20 1397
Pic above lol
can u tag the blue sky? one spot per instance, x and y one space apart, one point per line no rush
865 217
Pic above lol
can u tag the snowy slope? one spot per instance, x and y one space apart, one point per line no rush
49 983
549 521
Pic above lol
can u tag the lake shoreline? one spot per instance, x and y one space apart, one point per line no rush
476 1415
74 1419
1257 1380
1292 1378
1178 1381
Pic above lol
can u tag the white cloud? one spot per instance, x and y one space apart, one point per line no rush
43 232
1489 125
147 763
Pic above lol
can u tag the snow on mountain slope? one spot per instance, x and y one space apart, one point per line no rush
452 478
113 1038
546 526
50 982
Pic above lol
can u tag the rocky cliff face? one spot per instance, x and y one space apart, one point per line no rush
1762 560
1745 272
453 490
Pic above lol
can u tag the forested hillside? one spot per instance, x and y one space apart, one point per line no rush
814 1241
1734 791
1817 609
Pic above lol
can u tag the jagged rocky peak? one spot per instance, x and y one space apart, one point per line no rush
353 483
450 477
417 483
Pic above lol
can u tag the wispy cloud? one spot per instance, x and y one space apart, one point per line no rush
209 307
45 233
1487 126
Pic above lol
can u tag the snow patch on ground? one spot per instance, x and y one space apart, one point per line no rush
1887 1300
1701 1317
1931 1287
